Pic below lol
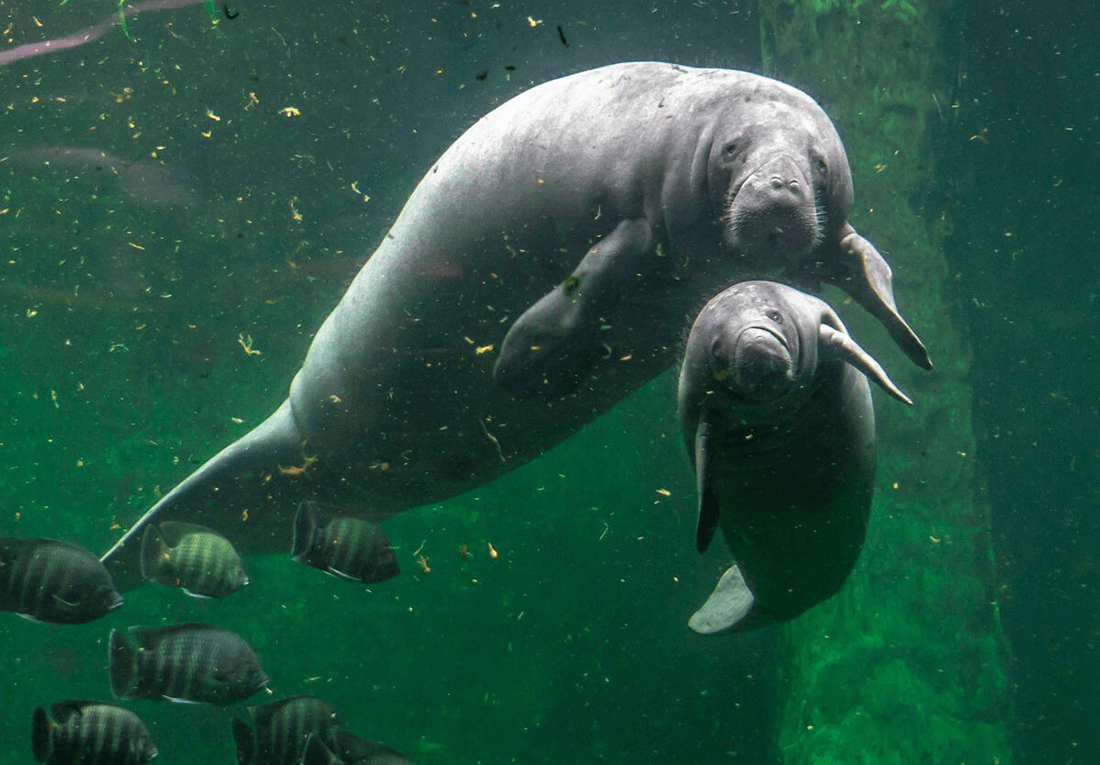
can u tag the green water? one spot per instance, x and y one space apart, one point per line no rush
251 165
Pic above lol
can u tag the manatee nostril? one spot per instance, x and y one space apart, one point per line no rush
779 183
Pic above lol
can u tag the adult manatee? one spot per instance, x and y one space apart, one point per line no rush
673 180
777 416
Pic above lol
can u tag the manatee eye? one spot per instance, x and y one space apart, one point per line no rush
820 165
730 151
775 316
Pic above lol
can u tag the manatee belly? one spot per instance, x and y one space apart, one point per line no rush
795 505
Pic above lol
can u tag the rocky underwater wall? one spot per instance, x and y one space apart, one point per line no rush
908 662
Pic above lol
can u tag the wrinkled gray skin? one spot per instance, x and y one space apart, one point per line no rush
777 416
673 180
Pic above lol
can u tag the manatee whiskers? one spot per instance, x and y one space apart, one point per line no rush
821 219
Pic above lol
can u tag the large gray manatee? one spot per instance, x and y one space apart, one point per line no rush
777 416
664 182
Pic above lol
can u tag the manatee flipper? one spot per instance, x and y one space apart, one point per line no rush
865 275
239 479
555 341
704 480
841 345
726 608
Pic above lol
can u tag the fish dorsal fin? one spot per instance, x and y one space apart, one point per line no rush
174 531
150 637
707 522
262 713
61 711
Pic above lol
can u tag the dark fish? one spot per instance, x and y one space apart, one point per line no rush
281 731
90 732
184 662
342 545
47 580
198 559
352 750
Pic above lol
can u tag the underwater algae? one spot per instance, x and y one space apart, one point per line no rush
907 663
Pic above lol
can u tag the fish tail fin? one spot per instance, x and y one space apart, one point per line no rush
316 753
123 662
153 549
305 525
244 740
41 728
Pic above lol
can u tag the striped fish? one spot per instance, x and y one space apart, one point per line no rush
282 728
184 662
47 580
199 560
90 733
342 545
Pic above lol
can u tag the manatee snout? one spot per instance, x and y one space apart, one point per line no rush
760 366
774 210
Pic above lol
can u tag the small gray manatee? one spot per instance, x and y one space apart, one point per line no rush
777 417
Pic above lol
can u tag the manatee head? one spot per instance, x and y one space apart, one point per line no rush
779 180
751 342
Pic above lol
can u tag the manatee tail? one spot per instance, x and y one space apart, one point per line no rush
232 493
730 608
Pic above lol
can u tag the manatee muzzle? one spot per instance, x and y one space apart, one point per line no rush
762 366
774 208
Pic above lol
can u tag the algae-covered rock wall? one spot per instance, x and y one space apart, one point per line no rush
907 664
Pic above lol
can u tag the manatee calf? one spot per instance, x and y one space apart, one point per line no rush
777 416
638 188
